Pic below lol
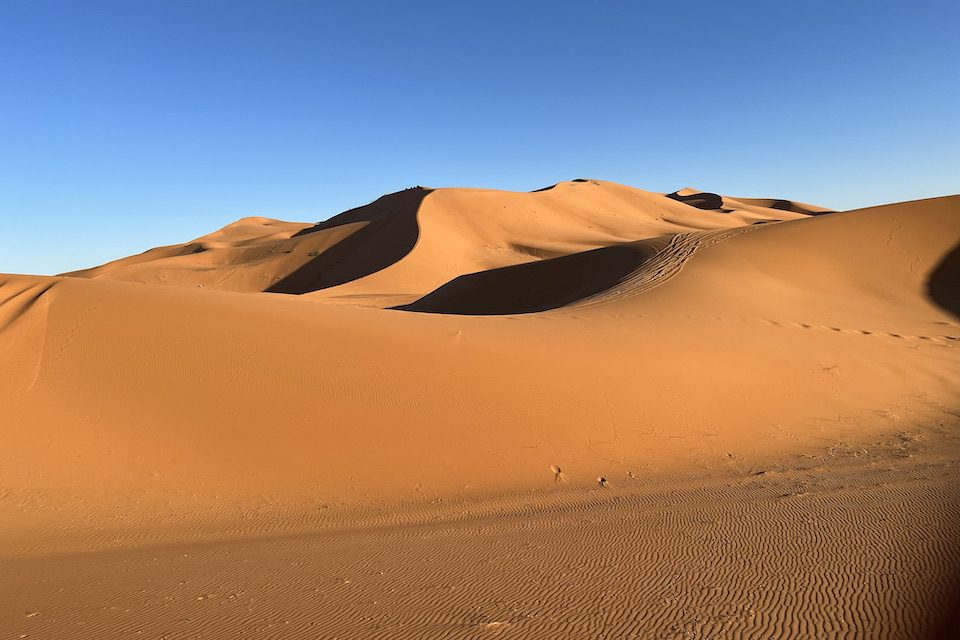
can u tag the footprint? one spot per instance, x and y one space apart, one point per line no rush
557 474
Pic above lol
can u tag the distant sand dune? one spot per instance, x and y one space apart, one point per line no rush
413 241
356 428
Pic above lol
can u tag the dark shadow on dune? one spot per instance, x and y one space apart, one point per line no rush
782 205
391 233
949 625
705 201
537 286
555 185
714 202
943 284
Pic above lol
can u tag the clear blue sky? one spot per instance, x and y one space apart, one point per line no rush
131 124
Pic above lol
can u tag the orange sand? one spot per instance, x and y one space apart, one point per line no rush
351 429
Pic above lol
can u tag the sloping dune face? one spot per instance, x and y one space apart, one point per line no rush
605 410
406 244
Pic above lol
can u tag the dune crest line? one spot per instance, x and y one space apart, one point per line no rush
585 411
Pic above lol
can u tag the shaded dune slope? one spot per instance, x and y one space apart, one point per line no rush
726 204
389 233
251 254
903 252
619 414
159 394
538 286
809 266
801 256
943 284
261 254
406 244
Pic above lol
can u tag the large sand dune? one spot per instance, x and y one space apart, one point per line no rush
393 423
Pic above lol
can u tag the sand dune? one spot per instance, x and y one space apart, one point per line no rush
408 243
369 412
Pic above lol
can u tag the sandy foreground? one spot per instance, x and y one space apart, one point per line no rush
589 411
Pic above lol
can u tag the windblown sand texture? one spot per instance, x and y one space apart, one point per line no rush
393 424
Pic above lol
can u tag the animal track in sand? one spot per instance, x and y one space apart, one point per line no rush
669 261
941 339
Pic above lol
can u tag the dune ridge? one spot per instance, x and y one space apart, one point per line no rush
372 411
413 241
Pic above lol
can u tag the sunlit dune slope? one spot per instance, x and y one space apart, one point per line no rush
406 244
125 398
810 263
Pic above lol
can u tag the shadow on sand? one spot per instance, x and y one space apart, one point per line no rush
536 286
943 284
391 233
705 201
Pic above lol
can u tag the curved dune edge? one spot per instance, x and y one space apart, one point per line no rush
773 412
618 271
367 404
589 277
541 285
406 244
